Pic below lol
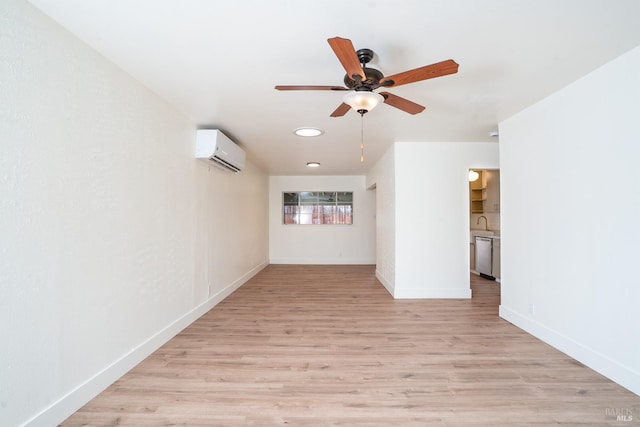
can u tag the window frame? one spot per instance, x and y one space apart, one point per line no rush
317 211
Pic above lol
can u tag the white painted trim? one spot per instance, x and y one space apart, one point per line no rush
600 363
322 261
75 399
434 293
387 284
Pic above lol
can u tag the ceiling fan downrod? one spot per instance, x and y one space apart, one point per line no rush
362 135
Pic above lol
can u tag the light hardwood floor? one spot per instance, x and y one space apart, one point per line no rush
328 346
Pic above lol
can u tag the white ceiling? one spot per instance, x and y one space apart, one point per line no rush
217 61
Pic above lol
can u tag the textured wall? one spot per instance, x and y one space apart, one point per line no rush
101 209
235 229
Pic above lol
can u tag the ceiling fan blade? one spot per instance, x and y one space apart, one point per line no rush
343 48
341 110
310 87
401 103
423 73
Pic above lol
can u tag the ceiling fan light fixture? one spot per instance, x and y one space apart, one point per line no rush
308 132
363 101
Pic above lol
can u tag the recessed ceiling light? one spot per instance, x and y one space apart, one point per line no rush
494 133
308 132
313 164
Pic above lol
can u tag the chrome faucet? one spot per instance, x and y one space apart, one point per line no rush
486 225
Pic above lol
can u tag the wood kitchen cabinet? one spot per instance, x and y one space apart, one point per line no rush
495 267
478 193
484 192
472 255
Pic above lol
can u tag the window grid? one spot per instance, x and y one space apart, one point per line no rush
318 208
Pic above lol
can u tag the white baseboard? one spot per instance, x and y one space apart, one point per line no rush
386 283
600 363
431 293
436 293
74 400
323 261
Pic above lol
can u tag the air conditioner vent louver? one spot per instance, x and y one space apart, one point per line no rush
225 164
217 149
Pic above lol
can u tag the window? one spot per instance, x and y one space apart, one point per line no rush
318 207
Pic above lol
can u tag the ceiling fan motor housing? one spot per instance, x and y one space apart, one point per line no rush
371 82
373 76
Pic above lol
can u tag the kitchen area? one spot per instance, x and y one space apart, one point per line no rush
484 221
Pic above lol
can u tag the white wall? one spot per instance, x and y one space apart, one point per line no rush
101 221
322 244
234 232
382 178
432 216
570 209
423 216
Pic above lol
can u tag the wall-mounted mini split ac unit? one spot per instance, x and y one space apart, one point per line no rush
216 148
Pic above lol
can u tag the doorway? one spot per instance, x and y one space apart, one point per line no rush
484 226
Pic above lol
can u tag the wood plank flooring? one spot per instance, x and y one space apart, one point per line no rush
328 346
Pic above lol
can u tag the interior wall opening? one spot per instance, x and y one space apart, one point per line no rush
484 226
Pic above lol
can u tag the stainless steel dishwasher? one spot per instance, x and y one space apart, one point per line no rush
484 256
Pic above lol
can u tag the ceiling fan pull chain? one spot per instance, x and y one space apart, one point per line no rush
361 137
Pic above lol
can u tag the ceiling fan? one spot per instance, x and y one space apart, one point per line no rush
363 80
